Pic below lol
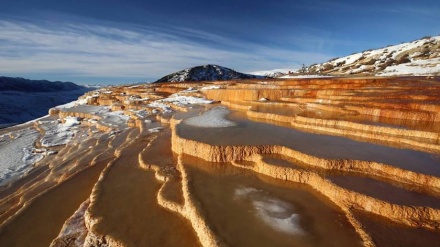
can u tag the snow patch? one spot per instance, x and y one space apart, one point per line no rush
16 156
271 73
419 67
214 118
156 104
74 103
210 87
349 59
71 121
185 100
114 119
141 113
59 133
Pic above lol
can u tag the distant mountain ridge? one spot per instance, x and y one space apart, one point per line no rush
419 57
23 100
209 72
26 85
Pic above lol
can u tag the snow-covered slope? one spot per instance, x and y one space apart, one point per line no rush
419 57
271 73
205 73
22 100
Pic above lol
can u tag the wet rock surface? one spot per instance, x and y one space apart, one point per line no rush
319 162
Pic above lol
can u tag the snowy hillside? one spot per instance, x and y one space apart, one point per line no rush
419 57
22 100
271 73
205 73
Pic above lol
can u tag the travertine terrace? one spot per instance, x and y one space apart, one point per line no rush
306 162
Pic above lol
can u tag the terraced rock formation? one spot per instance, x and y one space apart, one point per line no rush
310 162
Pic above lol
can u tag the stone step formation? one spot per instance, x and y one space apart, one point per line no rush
282 162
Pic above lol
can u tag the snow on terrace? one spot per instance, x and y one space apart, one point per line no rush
178 100
61 133
214 118
17 148
157 104
210 87
104 116
75 103
57 133
115 119
16 153
193 90
185 100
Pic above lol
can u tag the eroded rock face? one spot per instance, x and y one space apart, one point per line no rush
133 132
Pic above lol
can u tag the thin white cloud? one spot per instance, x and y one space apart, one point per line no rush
84 50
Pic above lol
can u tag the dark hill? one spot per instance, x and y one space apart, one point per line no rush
208 72
26 85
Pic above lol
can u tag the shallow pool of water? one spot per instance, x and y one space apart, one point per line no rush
248 132
386 233
385 191
244 209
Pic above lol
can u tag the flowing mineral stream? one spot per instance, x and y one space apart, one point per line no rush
294 162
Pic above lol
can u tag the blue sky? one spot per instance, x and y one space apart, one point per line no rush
133 40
